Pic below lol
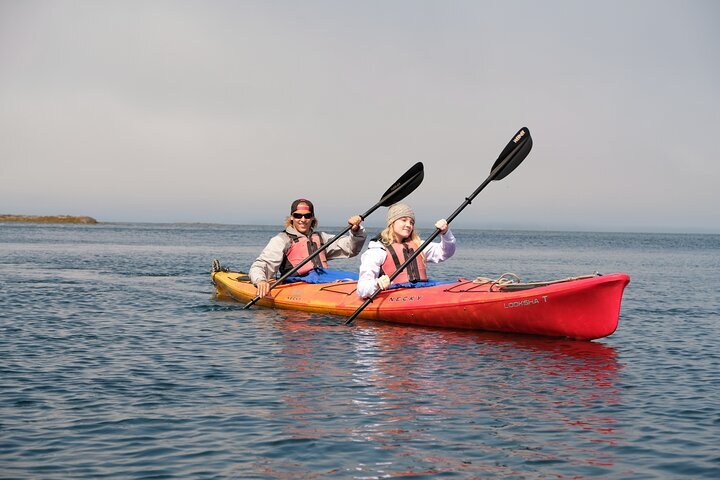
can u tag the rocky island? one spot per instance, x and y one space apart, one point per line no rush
47 219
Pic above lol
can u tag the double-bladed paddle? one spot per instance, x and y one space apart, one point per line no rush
511 156
399 190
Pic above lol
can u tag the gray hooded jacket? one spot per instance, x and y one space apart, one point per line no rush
267 264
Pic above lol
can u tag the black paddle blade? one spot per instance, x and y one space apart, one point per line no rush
404 186
513 154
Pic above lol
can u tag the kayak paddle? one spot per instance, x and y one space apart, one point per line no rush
399 190
511 156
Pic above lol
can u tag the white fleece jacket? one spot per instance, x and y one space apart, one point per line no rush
375 255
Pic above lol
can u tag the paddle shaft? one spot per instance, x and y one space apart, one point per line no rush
468 201
323 247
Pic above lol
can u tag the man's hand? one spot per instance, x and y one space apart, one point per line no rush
355 221
263 288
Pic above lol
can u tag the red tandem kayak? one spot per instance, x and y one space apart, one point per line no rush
583 308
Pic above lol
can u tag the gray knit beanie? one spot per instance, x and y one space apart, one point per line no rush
399 210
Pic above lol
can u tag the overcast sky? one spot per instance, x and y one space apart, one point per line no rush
226 111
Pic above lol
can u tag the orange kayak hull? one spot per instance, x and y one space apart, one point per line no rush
583 309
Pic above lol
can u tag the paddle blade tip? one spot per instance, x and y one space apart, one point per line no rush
514 153
405 185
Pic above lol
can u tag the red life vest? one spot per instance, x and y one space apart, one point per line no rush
396 256
302 247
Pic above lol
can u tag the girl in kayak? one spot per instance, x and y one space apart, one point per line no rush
297 242
394 245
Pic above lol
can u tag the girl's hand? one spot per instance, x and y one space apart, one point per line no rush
442 225
383 282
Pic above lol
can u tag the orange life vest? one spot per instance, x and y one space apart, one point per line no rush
302 247
397 253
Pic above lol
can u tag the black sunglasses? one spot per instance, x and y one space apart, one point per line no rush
302 215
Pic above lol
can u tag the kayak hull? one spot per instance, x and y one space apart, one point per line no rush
584 308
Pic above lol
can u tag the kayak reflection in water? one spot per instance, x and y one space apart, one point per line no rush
395 244
297 242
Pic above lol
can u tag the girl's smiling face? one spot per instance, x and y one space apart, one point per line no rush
403 227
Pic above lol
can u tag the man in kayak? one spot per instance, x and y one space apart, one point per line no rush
297 242
396 244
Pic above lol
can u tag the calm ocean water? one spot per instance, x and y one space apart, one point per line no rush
116 361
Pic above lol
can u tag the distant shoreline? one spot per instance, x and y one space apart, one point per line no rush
47 219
